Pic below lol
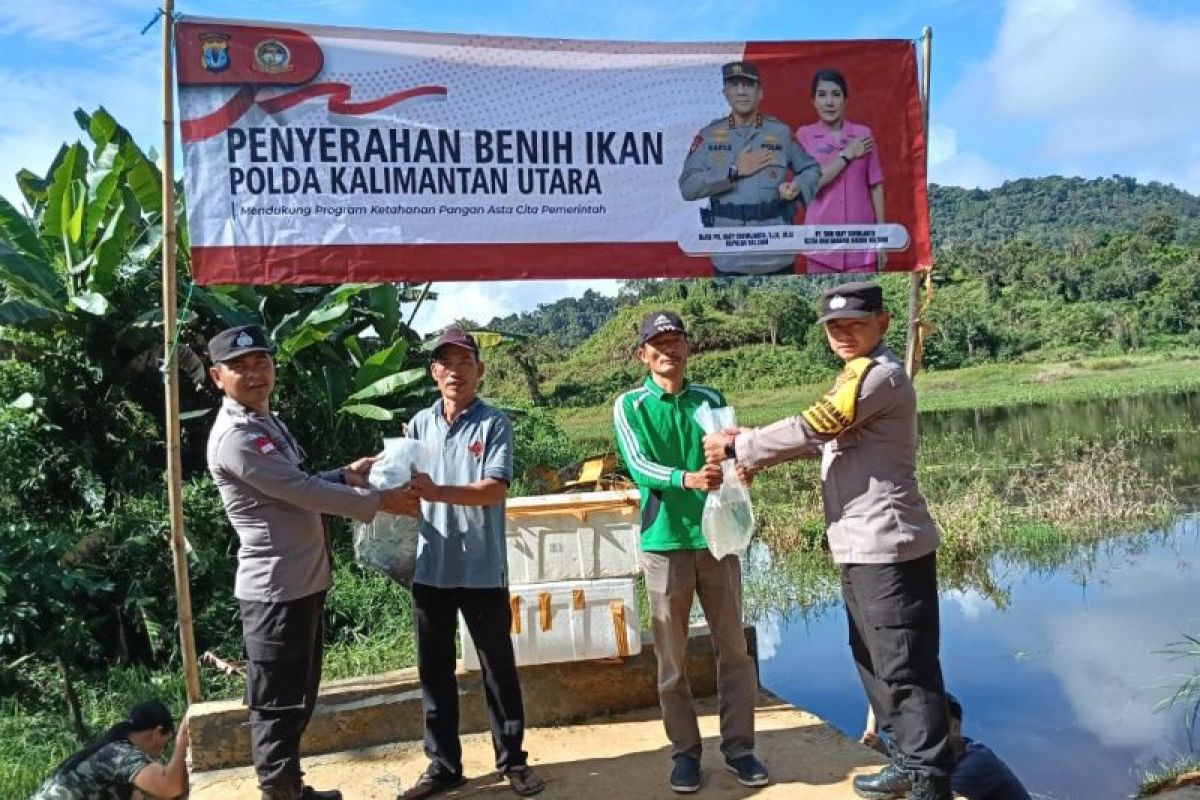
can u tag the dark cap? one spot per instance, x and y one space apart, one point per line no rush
851 301
657 322
455 336
229 344
739 69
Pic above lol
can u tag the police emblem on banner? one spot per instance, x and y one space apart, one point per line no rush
272 56
215 51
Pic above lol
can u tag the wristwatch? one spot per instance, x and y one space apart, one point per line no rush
842 155
732 174
731 449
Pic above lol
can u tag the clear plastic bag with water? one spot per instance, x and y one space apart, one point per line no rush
728 518
388 543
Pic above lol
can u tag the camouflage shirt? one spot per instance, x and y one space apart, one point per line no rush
106 774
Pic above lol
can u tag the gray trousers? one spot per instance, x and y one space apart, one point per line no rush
672 580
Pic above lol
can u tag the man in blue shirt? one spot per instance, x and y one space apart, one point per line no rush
462 567
980 774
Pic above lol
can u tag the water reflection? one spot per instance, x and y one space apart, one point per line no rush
1062 681
1163 427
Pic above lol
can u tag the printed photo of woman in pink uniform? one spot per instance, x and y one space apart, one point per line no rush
850 189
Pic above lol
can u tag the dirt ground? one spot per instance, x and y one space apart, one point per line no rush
624 756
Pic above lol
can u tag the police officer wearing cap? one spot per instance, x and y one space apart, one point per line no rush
741 162
283 573
880 533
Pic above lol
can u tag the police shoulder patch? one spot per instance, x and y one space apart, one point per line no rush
836 410
699 140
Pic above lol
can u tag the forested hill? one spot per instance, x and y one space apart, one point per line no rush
1057 211
1060 213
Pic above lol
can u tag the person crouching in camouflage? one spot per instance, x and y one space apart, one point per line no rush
125 759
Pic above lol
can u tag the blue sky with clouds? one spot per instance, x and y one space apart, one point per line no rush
1020 87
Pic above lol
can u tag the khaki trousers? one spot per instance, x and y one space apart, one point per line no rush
672 580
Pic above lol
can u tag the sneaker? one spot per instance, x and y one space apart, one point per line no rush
431 783
524 781
749 770
685 775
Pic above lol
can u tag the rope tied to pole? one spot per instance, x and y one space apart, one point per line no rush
169 359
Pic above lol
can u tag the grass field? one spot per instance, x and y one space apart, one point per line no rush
989 386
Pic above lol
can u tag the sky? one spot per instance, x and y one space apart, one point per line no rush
1021 88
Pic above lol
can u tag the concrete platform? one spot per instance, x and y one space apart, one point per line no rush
618 756
379 709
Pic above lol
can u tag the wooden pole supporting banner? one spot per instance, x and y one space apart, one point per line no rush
170 367
912 350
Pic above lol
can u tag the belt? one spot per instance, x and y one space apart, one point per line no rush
748 212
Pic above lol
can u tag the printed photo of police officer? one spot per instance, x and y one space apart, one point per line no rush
741 164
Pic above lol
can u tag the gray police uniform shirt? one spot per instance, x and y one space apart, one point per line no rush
463 546
106 774
865 430
275 506
751 200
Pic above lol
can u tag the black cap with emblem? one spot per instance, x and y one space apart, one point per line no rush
657 322
739 69
851 301
229 344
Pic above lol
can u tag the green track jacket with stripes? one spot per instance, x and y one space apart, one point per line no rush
660 441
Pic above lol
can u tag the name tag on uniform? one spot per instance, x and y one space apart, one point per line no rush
264 445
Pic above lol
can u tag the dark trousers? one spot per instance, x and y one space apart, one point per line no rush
489 617
894 628
284 648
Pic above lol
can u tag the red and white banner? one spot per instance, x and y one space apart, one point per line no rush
321 155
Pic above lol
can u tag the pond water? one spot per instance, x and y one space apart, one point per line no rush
1063 683
1061 671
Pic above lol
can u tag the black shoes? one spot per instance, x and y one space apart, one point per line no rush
309 793
303 793
685 776
890 783
431 783
928 787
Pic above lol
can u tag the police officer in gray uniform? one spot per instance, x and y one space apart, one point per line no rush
283 572
741 162
880 534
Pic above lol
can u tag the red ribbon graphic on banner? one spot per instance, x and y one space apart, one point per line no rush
201 128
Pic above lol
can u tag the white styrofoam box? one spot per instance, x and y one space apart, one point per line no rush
568 621
573 537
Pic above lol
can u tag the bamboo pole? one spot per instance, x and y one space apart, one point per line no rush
170 367
912 345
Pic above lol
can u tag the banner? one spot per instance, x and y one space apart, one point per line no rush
322 155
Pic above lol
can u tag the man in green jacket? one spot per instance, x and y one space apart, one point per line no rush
664 450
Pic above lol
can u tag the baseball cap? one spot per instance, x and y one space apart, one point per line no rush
739 69
455 336
851 301
657 322
233 342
